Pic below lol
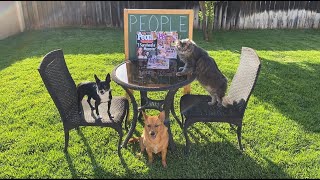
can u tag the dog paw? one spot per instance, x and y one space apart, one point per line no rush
164 164
100 117
110 116
139 155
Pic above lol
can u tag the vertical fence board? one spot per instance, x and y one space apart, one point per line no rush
55 16
30 14
88 13
50 15
93 14
83 12
63 13
60 13
35 14
25 14
41 14
78 12
102 9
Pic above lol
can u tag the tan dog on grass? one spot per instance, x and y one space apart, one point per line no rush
155 137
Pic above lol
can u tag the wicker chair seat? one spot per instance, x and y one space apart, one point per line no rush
196 106
117 109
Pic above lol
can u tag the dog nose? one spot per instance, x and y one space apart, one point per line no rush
152 133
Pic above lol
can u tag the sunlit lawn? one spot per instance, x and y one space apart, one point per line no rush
281 131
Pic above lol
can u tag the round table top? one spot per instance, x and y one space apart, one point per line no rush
129 75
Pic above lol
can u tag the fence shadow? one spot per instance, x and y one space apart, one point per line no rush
70 40
261 40
37 43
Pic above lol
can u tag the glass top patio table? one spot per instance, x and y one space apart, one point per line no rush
126 74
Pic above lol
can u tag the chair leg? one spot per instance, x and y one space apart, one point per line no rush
120 141
182 121
185 133
126 121
140 116
66 140
239 137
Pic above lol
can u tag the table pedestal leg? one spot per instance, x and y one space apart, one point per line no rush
168 102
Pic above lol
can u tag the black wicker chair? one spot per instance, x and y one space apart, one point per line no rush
62 89
195 108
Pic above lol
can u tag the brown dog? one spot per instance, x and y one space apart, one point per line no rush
155 137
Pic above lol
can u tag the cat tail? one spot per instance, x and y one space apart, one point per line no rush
226 101
134 139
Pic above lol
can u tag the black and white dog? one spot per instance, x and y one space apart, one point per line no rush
100 91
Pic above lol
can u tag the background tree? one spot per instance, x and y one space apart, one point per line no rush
207 17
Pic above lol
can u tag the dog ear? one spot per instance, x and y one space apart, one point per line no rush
162 116
97 79
145 116
108 79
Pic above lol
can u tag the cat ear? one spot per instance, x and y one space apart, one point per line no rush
190 42
178 42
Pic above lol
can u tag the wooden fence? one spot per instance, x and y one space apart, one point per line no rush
48 14
266 14
228 14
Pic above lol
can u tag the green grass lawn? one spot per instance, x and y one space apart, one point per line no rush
281 128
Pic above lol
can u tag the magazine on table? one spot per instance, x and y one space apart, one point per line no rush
158 63
146 44
157 48
166 42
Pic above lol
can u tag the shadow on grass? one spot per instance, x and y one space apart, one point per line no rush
98 171
111 40
293 89
71 166
198 131
213 161
221 160
267 39
273 171
71 41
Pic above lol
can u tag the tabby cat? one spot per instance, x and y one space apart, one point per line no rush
197 61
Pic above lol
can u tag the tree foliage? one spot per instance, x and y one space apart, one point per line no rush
207 17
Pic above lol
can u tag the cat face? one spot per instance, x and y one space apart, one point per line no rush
185 46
